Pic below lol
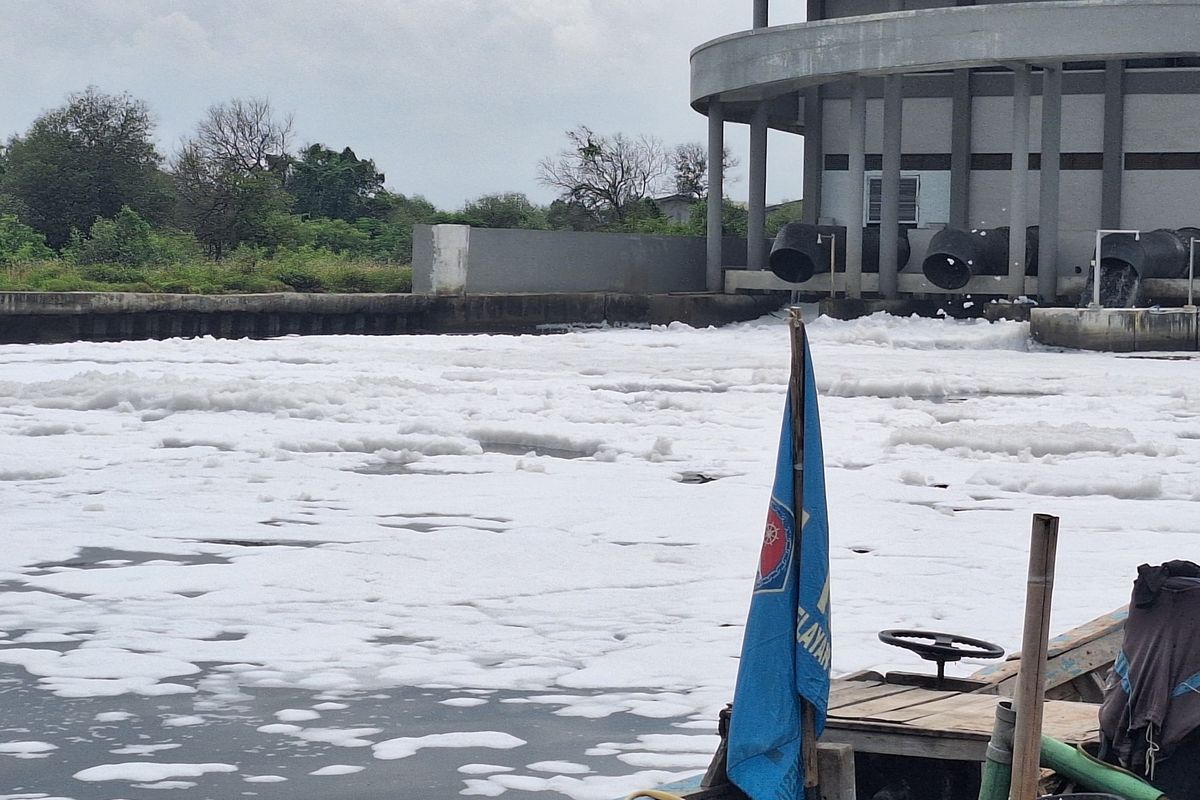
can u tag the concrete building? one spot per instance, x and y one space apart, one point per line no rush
919 115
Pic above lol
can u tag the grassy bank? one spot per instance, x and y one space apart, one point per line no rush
241 274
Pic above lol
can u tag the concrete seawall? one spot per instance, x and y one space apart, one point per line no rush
45 317
1118 330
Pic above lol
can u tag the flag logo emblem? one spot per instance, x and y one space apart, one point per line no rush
775 559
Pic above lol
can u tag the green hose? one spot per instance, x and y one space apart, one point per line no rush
1092 774
997 779
997 767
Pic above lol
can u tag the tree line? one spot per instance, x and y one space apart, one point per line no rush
86 198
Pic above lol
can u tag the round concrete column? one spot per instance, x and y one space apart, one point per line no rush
858 163
1018 211
716 193
1048 183
889 186
756 211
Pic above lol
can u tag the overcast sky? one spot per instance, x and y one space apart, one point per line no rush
451 98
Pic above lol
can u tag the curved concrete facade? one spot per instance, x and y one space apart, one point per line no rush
759 64
1072 115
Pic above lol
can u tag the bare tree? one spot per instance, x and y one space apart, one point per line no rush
690 164
605 175
230 174
243 136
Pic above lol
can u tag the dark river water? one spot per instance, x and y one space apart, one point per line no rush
229 735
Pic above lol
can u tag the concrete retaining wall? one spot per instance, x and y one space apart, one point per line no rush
457 259
44 317
1118 330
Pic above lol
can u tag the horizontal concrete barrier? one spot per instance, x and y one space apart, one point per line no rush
1118 330
44 317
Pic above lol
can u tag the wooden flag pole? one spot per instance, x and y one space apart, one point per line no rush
808 737
1031 680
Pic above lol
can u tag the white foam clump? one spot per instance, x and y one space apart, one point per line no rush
666 750
337 769
559 767
589 787
296 715
149 772
143 749
1036 439
597 706
1084 482
100 671
919 333
482 769
27 473
339 737
264 779
30 749
406 746
463 702
182 721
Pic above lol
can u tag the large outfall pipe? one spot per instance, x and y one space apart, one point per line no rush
956 255
1126 260
1154 254
801 250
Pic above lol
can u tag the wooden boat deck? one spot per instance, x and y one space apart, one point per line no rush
877 717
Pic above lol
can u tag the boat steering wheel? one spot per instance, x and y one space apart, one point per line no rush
940 647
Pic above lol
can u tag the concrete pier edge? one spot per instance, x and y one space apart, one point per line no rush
50 317
1119 330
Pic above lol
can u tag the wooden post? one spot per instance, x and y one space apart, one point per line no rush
837 769
808 728
1031 680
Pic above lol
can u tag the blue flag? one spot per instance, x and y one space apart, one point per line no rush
786 647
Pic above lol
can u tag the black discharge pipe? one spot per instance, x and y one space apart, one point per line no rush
956 255
1127 259
801 250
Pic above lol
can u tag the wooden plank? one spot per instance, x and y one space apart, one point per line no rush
1097 654
1068 721
909 697
980 705
902 741
976 720
1103 634
844 694
1071 722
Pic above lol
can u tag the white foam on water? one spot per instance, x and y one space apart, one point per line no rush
149 772
337 769
348 514
405 746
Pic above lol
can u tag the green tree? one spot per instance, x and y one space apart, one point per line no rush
566 215
339 236
790 211
128 240
20 243
391 236
229 176
505 210
85 160
334 185
733 219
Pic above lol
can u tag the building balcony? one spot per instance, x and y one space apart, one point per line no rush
774 63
